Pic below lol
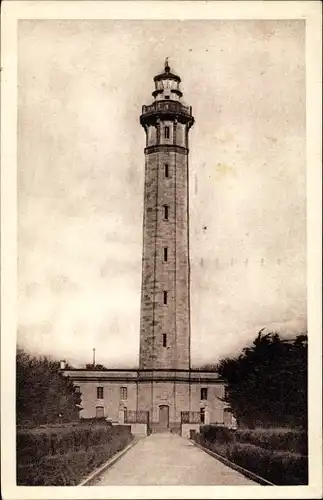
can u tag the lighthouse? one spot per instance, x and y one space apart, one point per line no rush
165 288
164 393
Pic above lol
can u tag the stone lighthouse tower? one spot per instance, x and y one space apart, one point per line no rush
165 301
164 392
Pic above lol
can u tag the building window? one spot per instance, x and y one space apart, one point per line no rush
99 392
202 415
123 393
203 394
164 340
77 389
166 172
166 212
165 254
166 130
125 413
99 412
165 298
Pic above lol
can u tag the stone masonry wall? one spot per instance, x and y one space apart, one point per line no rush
148 396
159 276
111 398
213 403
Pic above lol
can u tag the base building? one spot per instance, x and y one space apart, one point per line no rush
164 393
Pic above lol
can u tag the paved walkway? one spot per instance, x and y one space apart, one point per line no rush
168 459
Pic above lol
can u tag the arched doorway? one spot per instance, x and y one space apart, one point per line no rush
164 416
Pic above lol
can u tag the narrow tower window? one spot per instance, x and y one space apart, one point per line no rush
166 170
164 340
166 212
165 254
166 130
204 394
165 298
99 392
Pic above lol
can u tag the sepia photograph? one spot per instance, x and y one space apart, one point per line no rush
162 333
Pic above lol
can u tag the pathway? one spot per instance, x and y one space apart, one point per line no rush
168 459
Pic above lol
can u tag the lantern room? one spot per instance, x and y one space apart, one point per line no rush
167 85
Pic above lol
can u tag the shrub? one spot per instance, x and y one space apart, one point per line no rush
278 455
62 455
282 439
218 433
279 467
66 469
95 420
275 439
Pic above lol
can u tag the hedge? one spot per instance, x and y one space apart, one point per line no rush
64 455
217 433
277 465
276 439
282 439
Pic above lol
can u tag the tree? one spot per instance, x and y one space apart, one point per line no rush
43 394
267 382
98 367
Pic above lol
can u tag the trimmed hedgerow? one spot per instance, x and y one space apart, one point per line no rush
282 439
64 455
275 439
217 433
67 469
277 465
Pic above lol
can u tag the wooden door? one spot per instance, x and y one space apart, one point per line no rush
164 416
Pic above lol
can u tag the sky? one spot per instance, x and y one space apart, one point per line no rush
81 86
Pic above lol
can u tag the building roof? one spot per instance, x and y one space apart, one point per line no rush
167 74
146 375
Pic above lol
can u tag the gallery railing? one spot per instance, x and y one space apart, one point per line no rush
190 417
136 417
164 107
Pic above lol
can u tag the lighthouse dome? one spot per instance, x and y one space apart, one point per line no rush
167 85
